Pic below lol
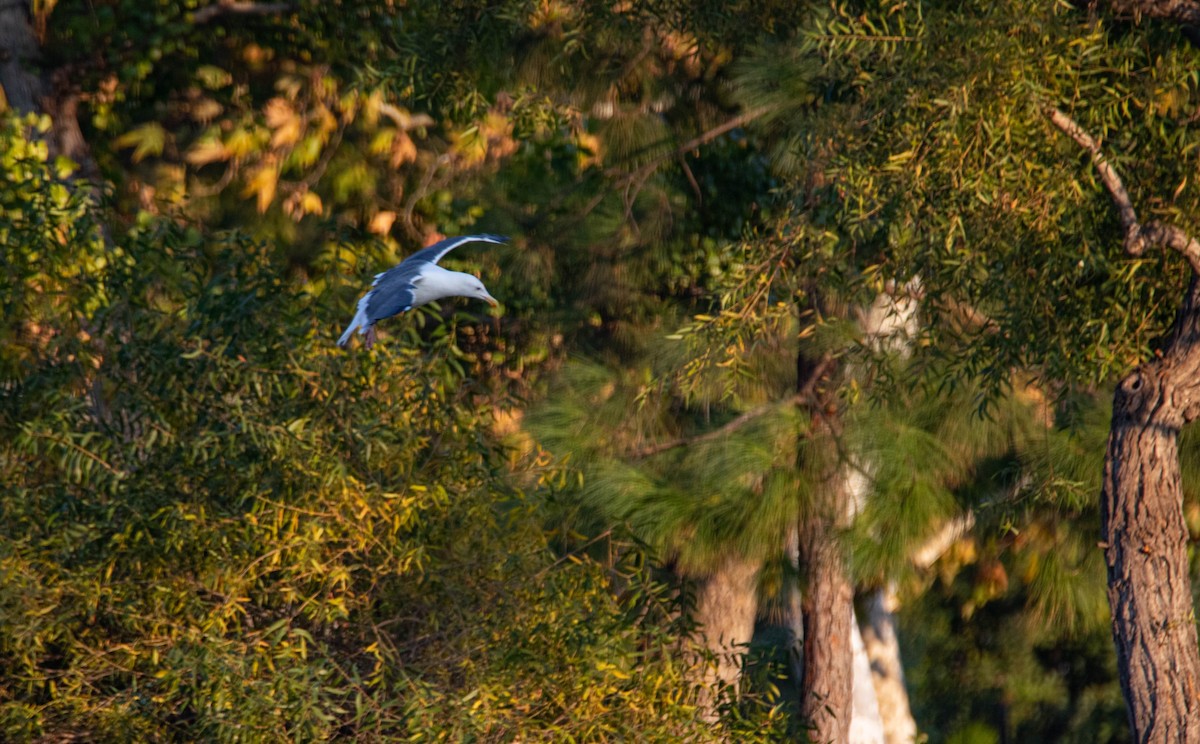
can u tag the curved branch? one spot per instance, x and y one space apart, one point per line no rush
1185 12
823 366
234 7
1137 235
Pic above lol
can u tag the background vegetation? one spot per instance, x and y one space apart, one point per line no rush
500 525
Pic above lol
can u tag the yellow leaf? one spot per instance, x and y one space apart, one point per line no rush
262 184
370 107
382 141
205 110
310 203
381 223
147 139
213 77
287 134
241 142
207 151
325 120
278 112
403 150
469 145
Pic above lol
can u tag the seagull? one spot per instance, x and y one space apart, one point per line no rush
415 281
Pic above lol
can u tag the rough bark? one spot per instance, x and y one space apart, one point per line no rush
1145 537
867 724
725 607
1181 11
1149 590
18 55
828 609
30 89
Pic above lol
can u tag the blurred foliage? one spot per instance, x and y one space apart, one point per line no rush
216 527
999 675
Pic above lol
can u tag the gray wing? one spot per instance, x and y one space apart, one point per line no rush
393 291
434 253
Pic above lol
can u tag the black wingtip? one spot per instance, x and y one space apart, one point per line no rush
492 237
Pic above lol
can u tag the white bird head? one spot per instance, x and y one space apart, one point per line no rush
476 290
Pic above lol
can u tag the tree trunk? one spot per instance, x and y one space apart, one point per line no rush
725 607
1149 590
887 672
1141 505
18 53
866 721
867 724
26 89
826 702
1180 11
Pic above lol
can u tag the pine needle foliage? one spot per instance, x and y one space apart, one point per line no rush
689 505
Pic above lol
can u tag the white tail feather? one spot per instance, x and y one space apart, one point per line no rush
359 323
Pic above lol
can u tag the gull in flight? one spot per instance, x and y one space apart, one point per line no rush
415 281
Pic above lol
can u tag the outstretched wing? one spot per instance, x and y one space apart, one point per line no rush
393 291
434 253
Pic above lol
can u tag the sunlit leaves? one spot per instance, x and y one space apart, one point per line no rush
228 521
52 252
961 179
148 139
209 149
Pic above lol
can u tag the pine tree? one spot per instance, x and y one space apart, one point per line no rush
949 161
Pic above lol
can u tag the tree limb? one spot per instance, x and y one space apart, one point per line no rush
939 542
804 394
18 53
1180 11
701 139
237 7
1137 235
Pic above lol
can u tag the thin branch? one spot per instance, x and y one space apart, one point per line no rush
81 450
1108 175
939 542
701 139
627 180
236 7
1137 235
803 395
404 120
571 554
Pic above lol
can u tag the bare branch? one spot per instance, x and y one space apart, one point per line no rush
1185 12
939 542
823 366
1137 235
237 7
701 139
1108 175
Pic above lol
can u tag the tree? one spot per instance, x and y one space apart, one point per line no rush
1145 536
960 178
